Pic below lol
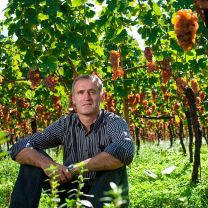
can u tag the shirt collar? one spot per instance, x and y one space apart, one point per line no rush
96 124
98 121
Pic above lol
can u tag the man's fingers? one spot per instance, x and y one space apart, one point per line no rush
64 175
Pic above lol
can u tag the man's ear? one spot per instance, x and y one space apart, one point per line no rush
102 95
72 99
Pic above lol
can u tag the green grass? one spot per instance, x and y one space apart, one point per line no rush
170 190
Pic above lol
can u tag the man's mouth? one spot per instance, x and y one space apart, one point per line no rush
87 104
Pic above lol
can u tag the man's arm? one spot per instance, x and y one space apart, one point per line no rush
50 137
102 161
30 156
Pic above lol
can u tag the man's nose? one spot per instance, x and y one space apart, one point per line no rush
87 95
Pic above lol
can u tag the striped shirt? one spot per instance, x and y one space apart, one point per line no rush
109 133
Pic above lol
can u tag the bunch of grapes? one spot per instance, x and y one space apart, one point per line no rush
57 105
164 89
166 96
14 100
151 66
45 118
153 107
149 112
114 60
145 104
25 126
22 103
141 96
34 76
194 85
40 108
165 64
154 95
181 84
166 72
51 82
198 100
202 95
148 53
4 113
185 26
110 103
15 113
133 100
176 106
165 76
117 73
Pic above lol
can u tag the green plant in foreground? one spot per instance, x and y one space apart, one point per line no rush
114 196
52 197
78 202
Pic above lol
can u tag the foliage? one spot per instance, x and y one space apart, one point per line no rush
167 190
59 40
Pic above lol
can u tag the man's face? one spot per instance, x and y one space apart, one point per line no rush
86 97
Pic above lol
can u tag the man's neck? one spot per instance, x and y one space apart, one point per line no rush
88 120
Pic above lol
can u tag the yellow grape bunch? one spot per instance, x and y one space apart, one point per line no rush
185 27
114 59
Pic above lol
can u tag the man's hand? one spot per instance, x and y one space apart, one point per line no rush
61 172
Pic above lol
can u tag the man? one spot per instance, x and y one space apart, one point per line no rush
94 139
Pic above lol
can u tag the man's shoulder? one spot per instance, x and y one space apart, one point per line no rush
110 116
69 117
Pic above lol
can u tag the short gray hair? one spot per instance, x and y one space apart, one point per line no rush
94 78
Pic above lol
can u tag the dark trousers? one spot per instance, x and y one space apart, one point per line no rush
31 180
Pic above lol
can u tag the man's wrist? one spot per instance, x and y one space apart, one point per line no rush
76 169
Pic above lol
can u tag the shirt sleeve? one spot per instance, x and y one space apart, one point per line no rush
122 146
52 136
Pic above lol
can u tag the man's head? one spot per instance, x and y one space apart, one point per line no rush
87 95
89 77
